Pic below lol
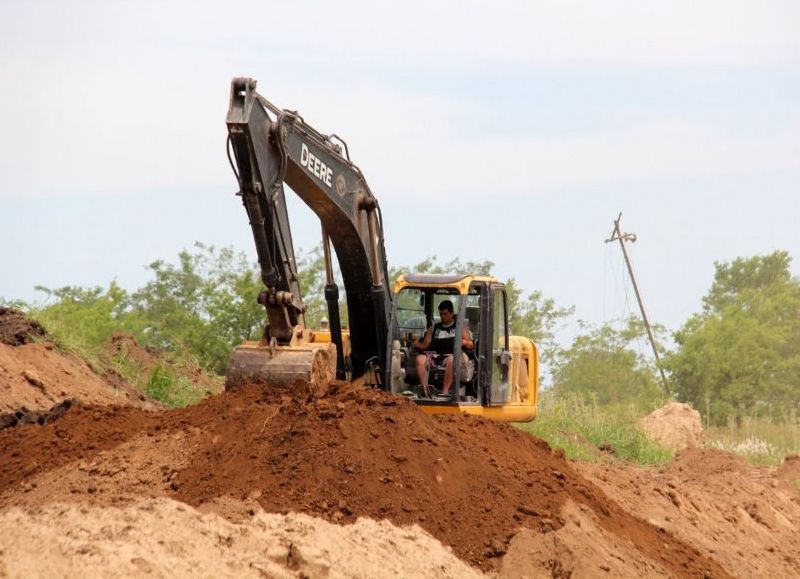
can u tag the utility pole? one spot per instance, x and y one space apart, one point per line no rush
617 235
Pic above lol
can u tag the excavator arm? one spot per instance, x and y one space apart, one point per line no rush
271 147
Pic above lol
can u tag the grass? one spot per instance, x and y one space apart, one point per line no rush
166 385
761 440
163 382
581 428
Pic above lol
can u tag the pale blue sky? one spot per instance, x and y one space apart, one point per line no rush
525 127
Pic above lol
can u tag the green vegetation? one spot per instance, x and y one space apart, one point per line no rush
737 361
741 354
164 378
760 440
583 429
197 310
168 386
602 364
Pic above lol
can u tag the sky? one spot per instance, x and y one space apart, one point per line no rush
507 131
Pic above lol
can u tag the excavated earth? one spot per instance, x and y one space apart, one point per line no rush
470 483
257 482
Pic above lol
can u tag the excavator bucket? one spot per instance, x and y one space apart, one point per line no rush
309 367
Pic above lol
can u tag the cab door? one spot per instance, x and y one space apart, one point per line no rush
497 393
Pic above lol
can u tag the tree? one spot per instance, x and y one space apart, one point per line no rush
203 306
741 353
536 317
86 318
602 363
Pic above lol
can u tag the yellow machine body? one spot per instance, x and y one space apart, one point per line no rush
520 402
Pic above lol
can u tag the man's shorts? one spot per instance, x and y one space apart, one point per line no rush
465 373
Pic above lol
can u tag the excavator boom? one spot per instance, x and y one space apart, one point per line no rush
270 147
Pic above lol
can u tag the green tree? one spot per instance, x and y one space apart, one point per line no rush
202 306
311 276
536 317
741 354
86 318
602 363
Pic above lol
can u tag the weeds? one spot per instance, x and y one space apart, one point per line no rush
166 386
583 429
761 440
163 382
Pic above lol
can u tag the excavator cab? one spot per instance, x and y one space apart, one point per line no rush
501 377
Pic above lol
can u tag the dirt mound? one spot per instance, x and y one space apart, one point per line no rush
581 548
25 416
165 538
740 515
676 426
37 376
17 329
470 483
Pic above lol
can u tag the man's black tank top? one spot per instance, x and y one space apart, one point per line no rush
444 338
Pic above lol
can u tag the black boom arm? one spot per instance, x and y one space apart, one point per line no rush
272 147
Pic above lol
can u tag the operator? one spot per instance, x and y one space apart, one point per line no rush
441 338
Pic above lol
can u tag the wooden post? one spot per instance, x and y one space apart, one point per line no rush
617 235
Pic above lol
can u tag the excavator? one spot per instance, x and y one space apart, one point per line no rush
269 148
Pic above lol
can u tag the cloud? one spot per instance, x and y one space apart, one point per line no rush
432 34
109 138
110 98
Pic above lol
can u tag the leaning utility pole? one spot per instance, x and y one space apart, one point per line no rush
617 235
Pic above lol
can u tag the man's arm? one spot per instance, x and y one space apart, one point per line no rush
424 342
466 339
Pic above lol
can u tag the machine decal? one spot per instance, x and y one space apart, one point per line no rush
315 166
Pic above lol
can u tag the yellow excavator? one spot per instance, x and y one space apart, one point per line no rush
270 147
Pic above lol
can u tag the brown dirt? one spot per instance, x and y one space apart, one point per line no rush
37 376
17 329
745 517
469 482
677 426
165 538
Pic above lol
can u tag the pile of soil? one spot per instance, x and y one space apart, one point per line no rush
745 517
36 375
25 416
677 426
165 538
17 329
469 482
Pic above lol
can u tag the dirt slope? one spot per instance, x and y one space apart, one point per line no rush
469 482
35 375
745 517
165 538
17 329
